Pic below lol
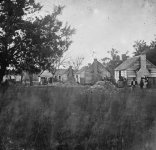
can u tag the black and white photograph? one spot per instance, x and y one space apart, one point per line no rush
77 74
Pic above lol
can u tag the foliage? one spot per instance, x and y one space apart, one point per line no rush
31 43
150 50
11 16
140 47
46 40
151 53
76 63
75 118
112 62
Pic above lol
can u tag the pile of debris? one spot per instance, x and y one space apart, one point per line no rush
100 86
57 84
104 86
66 84
71 84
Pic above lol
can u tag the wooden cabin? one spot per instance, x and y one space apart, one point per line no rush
61 75
92 73
136 67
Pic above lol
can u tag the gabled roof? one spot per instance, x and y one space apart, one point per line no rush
101 65
127 63
91 67
151 63
46 74
61 71
40 73
82 69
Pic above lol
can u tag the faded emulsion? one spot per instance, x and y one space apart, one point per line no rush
77 75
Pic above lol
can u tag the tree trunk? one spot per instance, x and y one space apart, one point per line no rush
21 78
2 73
31 79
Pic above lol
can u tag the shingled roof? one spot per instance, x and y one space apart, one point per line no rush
90 67
61 72
127 63
45 74
82 69
48 74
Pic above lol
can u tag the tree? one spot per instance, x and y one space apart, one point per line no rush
151 53
60 62
105 61
140 47
149 50
11 16
76 63
46 40
112 62
51 39
31 44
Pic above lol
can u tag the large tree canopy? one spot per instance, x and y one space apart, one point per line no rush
150 50
112 62
151 53
140 47
11 16
46 39
30 44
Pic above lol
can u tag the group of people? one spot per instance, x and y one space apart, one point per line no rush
144 83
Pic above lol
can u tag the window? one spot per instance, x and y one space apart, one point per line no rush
59 77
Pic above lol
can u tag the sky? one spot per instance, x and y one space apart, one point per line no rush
105 24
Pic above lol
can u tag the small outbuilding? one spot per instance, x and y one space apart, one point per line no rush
45 77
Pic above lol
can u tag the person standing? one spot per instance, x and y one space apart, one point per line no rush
141 83
145 83
133 83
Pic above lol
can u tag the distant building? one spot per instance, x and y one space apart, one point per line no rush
16 78
136 67
11 75
23 78
70 75
61 75
92 73
65 75
86 75
45 77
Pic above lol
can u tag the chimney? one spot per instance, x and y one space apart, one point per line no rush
143 61
95 70
124 57
89 64
70 67
95 59
95 65
143 69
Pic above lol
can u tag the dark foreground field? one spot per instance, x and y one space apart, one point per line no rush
60 118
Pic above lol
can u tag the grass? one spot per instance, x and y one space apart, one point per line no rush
77 118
